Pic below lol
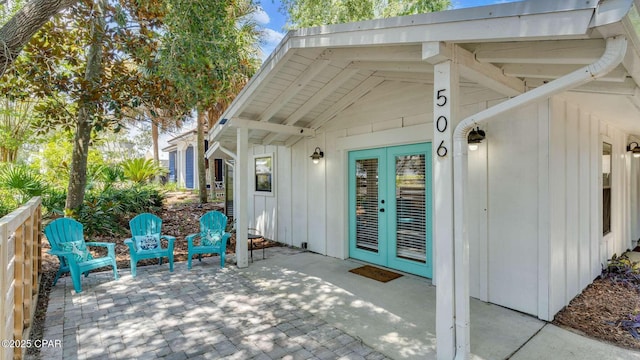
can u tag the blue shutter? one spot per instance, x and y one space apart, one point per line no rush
172 166
189 168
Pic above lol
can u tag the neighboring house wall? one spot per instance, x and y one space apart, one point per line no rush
189 168
172 166
184 162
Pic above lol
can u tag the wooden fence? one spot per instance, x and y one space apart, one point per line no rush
20 267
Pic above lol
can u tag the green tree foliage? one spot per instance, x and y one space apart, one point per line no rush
93 66
209 46
20 22
210 51
16 117
307 13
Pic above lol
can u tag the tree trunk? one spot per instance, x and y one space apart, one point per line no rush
78 176
154 140
26 22
202 174
87 109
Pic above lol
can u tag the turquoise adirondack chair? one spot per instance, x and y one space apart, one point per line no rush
213 238
145 241
66 238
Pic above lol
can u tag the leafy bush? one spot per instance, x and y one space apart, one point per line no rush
621 270
7 202
53 201
111 175
105 212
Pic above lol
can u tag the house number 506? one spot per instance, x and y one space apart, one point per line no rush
441 123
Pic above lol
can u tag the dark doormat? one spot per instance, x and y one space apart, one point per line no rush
375 273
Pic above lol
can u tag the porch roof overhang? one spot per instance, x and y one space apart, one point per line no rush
502 51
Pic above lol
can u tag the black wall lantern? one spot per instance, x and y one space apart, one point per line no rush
317 155
634 148
475 137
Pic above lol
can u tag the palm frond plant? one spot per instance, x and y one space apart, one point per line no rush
141 170
24 181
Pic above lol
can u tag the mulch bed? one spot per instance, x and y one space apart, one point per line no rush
178 219
598 311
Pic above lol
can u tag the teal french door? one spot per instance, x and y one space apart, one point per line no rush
390 207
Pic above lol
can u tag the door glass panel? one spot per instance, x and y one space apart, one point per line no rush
367 204
410 207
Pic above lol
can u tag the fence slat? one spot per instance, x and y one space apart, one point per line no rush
4 237
20 267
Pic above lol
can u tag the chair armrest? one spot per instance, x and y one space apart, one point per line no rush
225 238
131 245
190 238
170 239
111 247
68 255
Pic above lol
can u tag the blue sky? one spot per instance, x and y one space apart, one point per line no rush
273 21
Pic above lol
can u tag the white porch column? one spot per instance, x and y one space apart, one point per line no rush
242 197
445 106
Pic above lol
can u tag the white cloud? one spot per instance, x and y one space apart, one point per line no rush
271 39
261 17
272 36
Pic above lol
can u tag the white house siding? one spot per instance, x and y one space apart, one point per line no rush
270 213
577 248
513 194
634 183
534 192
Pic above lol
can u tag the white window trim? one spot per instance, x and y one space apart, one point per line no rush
271 193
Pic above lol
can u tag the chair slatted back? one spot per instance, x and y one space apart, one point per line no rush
214 221
63 230
145 224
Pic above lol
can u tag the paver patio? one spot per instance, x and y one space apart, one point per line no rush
207 313
293 305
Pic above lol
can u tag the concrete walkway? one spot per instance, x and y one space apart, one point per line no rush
293 305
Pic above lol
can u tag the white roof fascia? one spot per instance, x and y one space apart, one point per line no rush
522 8
532 19
541 19
220 151
611 11
179 137
170 148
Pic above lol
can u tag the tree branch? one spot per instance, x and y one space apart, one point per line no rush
24 24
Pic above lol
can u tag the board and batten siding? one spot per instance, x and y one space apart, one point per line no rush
577 247
270 213
534 192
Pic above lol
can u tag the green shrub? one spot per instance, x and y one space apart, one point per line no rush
105 212
7 202
53 202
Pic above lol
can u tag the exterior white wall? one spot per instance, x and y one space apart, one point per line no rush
271 212
504 197
534 192
577 248
394 114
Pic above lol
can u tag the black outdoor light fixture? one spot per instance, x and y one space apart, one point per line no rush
317 155
475 137
634 148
